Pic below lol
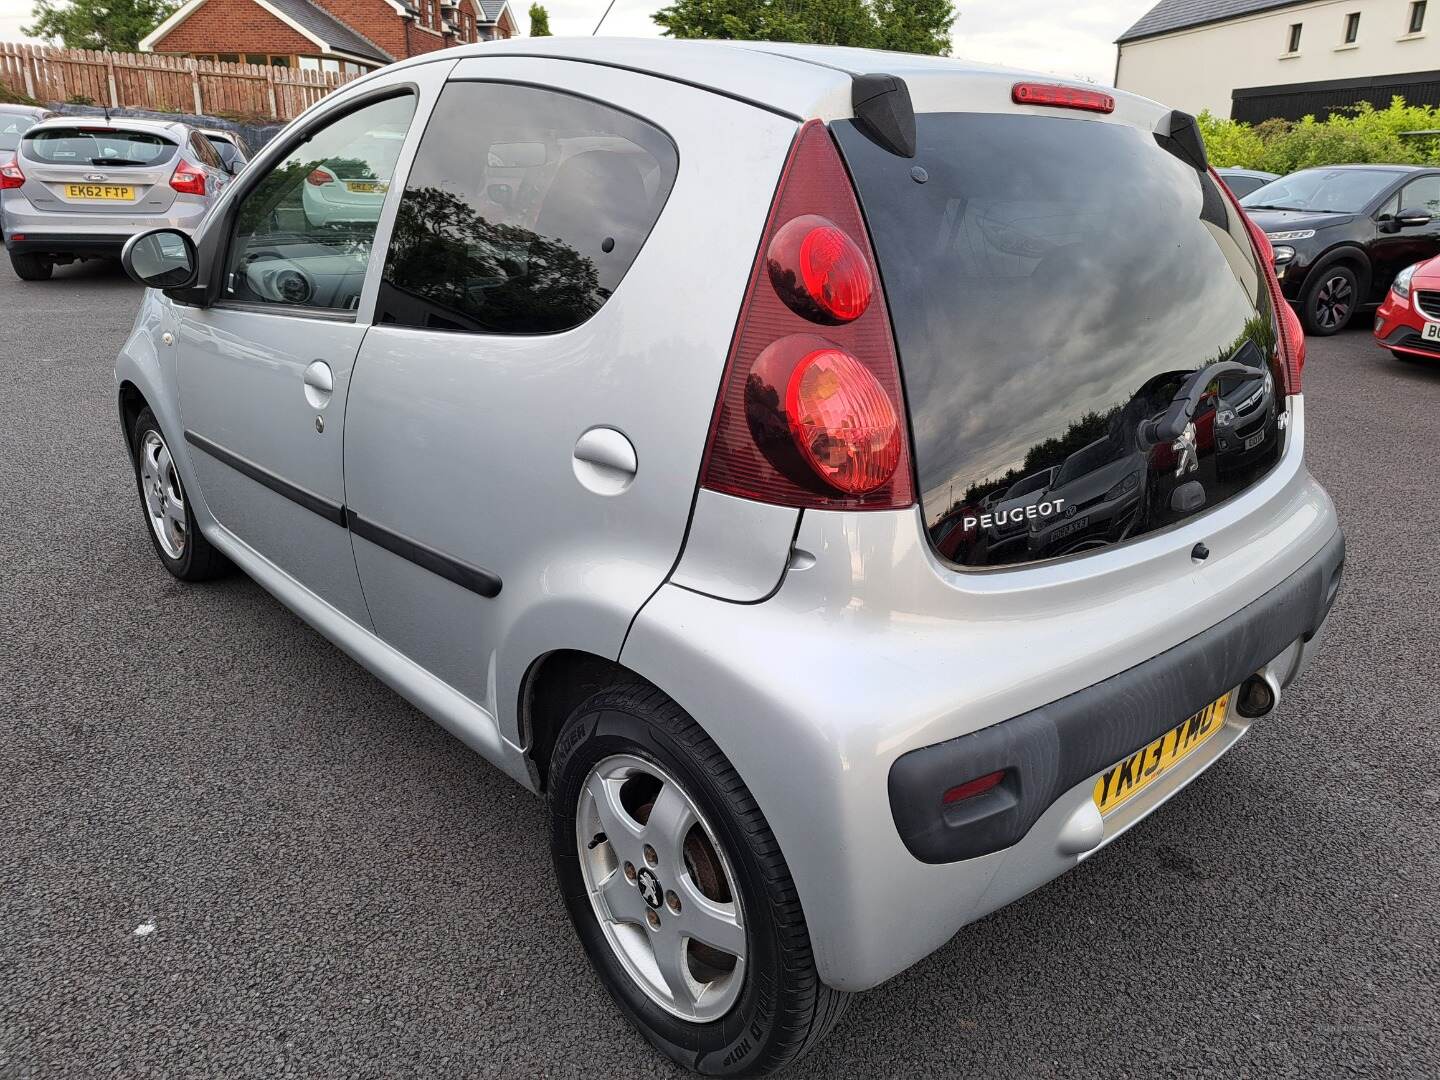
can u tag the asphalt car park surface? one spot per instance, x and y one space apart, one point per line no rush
226 850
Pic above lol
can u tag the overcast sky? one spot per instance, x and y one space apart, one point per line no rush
1068 37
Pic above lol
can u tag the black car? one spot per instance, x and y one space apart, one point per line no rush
1341 233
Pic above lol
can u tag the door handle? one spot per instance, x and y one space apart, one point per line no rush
605 461
319 384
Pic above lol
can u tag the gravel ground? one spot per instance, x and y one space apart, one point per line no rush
226 850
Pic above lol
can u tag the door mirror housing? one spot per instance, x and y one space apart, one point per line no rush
1413 218
161 259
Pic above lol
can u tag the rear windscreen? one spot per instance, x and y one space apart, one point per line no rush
81 146
1053 282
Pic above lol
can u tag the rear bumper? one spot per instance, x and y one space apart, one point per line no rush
1053 749
98 245
27 229
877 651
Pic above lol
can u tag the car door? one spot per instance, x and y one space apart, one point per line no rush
1392 252
529 409
264 372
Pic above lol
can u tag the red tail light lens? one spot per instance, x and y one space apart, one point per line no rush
188 179
819 271
971 788
11 176
802 419
1291 333
842 421
319 178
1061 97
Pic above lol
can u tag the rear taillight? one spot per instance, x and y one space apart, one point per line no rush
1292 335
810 412
319 178
188 180
11 176
1058 96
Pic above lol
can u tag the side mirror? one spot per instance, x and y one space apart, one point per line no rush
1412 218
161 259
234 165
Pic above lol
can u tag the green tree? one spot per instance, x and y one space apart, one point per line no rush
98 24
539 21
907 25
917 26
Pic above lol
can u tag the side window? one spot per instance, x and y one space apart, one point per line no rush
202 149
1422 194
528 224
303 233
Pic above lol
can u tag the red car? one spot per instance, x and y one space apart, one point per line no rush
1408 322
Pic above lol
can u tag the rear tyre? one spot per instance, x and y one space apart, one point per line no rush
1330 301
178 541
31 267
678 890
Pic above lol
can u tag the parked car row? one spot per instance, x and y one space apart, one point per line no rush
79 187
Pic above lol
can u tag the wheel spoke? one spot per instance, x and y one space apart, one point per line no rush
614 818
175 518
671 819
705 921
621 899
670 958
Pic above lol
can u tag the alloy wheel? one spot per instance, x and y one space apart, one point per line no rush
1333 302
661 888
164 497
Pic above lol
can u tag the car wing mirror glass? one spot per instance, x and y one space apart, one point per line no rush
161 259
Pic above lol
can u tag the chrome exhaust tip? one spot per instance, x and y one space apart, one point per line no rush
1259 694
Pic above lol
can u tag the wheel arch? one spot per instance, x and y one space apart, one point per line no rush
132 402
1351 256
553 686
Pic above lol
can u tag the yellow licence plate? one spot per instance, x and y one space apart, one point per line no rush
366 186
1128 778
113 192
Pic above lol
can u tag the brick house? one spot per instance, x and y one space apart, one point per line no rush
347 36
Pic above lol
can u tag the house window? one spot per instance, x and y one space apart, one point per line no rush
1417 16
1352 27
1295 29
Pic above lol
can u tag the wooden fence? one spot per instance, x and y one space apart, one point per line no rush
162 83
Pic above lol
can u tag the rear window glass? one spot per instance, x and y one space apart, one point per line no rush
103 146
526 225
1053 282
11 128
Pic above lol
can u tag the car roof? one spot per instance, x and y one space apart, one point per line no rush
1231 170
1376 167
802 81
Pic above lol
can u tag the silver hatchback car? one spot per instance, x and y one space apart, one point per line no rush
649 420
79 187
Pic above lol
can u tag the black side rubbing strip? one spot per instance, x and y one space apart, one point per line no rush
475 578
316 504
1047 751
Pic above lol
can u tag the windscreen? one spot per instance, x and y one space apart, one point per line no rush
1335 191
116 148
1055 285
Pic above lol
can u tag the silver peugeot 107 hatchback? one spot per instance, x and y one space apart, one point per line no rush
651 418
79 187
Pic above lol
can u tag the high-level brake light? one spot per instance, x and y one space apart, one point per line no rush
1059 96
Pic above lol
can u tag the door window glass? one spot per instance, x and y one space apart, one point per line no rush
528 224
304 232
1422 194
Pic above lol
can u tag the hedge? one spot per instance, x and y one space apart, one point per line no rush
1359 134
